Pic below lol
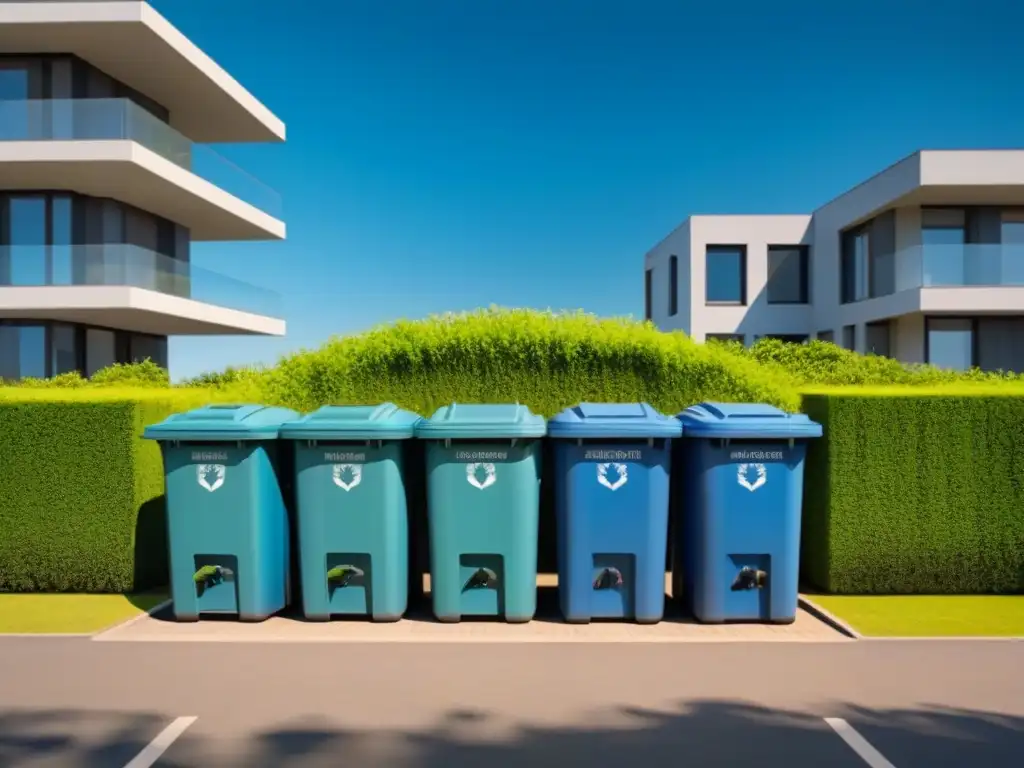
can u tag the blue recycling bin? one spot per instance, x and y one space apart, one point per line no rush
483 507
736 548
352 512
228 519
612 471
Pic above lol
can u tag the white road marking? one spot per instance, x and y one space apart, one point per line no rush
858 743
161 743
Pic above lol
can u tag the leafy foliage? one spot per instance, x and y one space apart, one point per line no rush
915 491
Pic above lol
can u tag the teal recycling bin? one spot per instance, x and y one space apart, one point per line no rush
228 496
483 507
352 513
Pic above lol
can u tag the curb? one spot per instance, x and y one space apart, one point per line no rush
822 615
127 623
44 634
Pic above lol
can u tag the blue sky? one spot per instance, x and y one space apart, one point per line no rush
452 154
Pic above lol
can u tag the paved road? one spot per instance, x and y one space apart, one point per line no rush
73 703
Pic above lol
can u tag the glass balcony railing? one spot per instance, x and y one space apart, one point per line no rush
107 119
973 264
130 265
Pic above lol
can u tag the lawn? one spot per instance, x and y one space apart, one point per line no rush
928 615
70 613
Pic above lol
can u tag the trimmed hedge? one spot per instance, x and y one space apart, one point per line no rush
916 491
83 506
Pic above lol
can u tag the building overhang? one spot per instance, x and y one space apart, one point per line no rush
132 309
938 300
133 43
933 177
131 173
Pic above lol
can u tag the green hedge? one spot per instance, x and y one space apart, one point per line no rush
916 492
82 493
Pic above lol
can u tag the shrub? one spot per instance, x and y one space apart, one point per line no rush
824 363
916 491
542 359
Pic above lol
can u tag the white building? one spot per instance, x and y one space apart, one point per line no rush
105 179
923 262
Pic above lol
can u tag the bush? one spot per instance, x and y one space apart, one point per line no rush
824 363
545 360
83 493
916 493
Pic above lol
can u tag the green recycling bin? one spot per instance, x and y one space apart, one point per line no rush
352 513
228 497
483 507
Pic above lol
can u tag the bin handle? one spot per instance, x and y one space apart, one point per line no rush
749 578
209 576
341 575
609 578
481 578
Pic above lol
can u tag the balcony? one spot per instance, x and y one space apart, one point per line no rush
124 286
86 145
952 266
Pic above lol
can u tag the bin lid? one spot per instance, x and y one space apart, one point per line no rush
222 422
612 420
746 420
353 422
482 422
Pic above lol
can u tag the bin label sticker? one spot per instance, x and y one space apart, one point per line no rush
474 470
333 456
209 455
353 473
759 472
619 472
211 476
481 455
604 454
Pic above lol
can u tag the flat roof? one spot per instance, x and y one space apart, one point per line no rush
133 43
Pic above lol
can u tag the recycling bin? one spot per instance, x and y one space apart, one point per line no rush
483 508
352 512
228 518
612 471
736 549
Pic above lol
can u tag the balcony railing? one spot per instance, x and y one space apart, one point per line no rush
111 119
130 265
973 264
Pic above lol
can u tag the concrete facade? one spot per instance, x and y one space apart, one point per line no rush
923 262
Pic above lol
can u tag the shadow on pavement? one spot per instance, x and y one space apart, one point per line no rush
703 733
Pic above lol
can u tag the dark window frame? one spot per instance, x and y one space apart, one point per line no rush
804 291
711 248
805 338
648 286
831 336
888 325
725 337
673 285
852 328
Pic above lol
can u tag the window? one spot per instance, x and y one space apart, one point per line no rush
724 337
1012 250
142 346
726 274
673 285
877 338
850 337
855 261
789 338
64 348
949 342
647 294
1000 344
22 351
826 336
787 274
100 350
24 234
943 235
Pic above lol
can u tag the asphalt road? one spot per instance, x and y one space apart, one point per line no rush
73 703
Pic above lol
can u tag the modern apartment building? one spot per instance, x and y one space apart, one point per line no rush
923 262
106 111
